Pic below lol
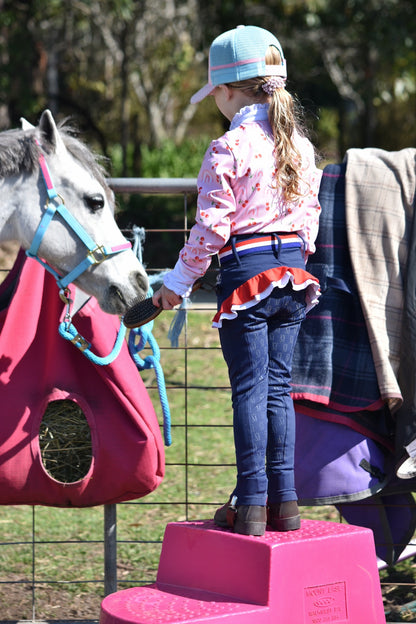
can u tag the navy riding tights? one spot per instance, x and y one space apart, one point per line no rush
258 348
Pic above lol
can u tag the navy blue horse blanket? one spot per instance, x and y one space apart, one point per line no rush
345 450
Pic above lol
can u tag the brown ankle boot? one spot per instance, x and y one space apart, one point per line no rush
250 520
284 516
223 515
243 519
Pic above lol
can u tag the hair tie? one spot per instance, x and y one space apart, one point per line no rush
273 83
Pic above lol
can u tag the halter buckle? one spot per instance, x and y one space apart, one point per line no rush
97 255
56 199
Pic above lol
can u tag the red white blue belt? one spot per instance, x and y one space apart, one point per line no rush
265 242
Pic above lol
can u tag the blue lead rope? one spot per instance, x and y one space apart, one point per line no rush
144 334
139 336
68 331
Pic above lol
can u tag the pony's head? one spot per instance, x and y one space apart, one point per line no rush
80 181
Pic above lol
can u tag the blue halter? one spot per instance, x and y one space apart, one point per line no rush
55 204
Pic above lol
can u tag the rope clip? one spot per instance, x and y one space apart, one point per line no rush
64 295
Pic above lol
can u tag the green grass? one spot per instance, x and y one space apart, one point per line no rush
69 557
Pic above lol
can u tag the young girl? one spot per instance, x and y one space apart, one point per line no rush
258 209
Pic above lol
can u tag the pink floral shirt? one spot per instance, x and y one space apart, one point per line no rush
237 195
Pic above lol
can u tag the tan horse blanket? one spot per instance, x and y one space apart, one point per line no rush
379 204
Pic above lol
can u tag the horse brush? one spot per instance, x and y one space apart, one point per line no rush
143 311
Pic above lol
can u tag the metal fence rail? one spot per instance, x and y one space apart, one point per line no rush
119 545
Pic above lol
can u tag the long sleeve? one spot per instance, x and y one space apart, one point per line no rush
215 212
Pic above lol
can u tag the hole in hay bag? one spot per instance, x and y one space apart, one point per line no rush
65 441
39 369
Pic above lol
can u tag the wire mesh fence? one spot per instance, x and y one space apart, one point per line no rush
56 564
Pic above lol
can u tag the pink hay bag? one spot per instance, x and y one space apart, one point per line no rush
37 367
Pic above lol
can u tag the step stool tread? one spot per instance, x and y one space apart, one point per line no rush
155 604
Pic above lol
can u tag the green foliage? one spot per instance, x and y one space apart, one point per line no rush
173 161
125 70
327 131
168 161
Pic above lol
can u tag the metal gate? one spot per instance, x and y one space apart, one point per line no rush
100 550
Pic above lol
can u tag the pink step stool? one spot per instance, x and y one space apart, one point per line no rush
325 572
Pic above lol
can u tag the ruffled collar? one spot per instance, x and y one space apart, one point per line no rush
249 114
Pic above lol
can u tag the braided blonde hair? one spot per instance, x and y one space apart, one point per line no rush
285 120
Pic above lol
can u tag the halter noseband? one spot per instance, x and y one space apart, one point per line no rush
55 204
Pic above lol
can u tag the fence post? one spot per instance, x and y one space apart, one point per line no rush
110 549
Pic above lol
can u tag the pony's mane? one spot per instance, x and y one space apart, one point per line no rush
19 153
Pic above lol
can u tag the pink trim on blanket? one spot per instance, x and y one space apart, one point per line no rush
324 400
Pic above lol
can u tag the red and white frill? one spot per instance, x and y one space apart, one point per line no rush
260 286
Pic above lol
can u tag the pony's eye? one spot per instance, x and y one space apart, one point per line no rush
94 202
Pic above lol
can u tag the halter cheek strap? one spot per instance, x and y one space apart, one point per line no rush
55 204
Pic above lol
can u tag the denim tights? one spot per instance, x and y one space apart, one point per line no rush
258 348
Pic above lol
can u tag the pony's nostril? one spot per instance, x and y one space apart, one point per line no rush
142 282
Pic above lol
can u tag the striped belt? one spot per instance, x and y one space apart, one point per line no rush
264 242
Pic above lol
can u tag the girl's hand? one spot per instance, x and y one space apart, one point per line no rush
166 298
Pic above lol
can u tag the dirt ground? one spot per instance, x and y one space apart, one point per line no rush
51 604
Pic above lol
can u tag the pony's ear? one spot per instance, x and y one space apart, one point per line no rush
49 135
26 125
